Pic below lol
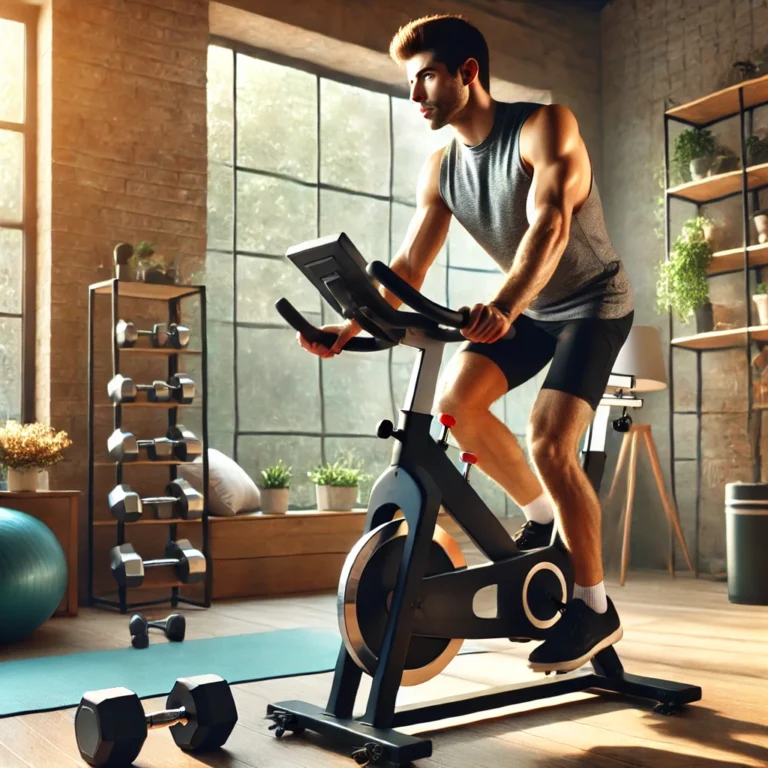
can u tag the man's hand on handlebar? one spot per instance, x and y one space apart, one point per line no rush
343 331
487 323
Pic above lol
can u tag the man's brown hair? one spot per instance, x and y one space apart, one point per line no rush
452 39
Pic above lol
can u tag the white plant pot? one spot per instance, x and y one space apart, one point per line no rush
23 479
334 498
761 225
761 302
700 167
274 501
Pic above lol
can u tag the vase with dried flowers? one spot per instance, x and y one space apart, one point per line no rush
26 449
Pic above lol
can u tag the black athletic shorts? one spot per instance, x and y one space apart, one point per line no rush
582 353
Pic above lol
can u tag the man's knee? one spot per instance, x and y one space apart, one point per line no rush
549 452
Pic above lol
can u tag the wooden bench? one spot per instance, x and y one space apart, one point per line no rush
257 555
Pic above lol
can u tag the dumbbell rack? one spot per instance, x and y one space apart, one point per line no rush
172 296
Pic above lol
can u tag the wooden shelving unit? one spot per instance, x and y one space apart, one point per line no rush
732 260
736 101
169 297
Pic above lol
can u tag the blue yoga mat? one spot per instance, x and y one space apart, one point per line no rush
57 682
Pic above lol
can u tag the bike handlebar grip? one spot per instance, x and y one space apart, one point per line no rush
417 301
298 322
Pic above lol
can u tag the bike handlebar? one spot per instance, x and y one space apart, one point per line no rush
416 300
296 320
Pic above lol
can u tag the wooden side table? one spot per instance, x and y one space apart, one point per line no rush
58 510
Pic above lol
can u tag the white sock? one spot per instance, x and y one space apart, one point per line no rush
594 597
540 510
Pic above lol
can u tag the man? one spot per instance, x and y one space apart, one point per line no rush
518 177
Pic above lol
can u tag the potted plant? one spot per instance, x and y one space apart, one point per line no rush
694 152
760 298
26 449
152 267
725 159
760 219
757 149
682 284
274 488
337 484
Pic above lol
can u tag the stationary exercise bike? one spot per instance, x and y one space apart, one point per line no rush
406 595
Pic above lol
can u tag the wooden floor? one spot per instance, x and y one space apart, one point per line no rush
684 630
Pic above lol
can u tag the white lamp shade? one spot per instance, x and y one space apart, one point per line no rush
641 357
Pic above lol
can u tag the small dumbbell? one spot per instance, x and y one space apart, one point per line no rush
174 627
123 446
161 335
181 388
111 725
183 501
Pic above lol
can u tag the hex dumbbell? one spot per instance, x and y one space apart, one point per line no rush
183 501
174 627
181 388
111 725
186 446
128 568
161 335
123 446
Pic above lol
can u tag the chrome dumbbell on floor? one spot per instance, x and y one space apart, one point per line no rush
183 501
180 388
128 568
161 335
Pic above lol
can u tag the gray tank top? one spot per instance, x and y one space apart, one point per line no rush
486 189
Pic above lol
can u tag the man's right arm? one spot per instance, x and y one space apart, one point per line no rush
426 232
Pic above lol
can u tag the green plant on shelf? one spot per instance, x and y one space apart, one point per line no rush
757 149
344 472
276 476
692 144
682 284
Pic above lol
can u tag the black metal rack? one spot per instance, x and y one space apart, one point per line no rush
172 295
736 101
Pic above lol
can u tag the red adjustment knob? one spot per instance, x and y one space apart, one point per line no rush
447 420
468 458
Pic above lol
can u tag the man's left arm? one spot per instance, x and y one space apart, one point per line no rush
552 147
561 180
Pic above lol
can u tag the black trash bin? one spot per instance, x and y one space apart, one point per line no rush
746 534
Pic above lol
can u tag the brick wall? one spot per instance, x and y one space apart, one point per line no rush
122 158
654 50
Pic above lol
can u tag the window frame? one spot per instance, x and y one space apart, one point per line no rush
28 16
320 72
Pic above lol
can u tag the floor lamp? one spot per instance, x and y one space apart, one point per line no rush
641 358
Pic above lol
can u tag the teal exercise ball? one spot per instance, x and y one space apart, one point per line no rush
33 574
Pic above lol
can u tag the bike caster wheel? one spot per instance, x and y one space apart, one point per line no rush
668 708
368 755
282 722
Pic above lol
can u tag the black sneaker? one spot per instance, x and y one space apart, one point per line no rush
534 535
580 634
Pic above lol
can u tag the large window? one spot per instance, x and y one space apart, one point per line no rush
17 212
296 154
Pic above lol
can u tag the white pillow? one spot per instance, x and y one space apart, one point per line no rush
230 488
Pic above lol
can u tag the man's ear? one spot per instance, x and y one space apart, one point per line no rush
469 70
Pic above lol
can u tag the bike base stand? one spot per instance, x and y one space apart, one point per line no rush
379 746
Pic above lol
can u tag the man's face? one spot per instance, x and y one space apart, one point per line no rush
440 95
